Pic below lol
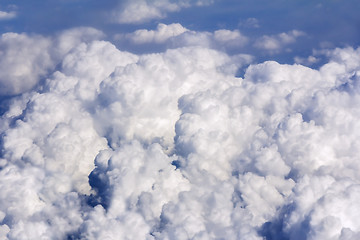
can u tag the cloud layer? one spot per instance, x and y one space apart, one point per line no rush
172 145
135 129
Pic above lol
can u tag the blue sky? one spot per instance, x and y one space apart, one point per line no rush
326 23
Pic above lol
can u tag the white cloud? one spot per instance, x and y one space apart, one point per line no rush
70 38
150 89
345 56
228 37
25 59
141 10
172 145
7 15
87 65
175 36
160 35
275 43
138 195
138 11
306 61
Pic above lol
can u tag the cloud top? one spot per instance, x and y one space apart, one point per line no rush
26 59
172 145
189 135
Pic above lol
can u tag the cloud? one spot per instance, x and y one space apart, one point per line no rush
134 209
306 61
160 35
57 145
25 59
153 102
175 36
88 65
275 43
169 142
250 23
139 11
70 38
230 38
7 15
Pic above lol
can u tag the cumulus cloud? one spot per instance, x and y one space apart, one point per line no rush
173 145
138 11
175 36
134 210
275 43
25 59
49 142
148 91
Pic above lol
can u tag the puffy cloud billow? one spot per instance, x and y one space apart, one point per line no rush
101 143
26 59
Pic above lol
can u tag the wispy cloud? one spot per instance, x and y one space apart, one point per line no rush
7 15
275 43
175 35
138 11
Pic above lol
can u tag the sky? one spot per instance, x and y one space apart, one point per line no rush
180 119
